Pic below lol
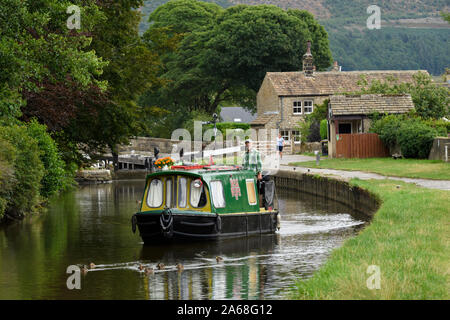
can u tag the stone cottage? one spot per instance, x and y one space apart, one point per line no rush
350 114
285 98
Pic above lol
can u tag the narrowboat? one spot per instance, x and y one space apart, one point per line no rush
204 203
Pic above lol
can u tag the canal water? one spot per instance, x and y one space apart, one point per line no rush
92 224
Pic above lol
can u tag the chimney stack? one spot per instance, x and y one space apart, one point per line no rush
308 61
336 66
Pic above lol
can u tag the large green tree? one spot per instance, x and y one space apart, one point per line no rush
225 61
430 100
37 49
82 84
131 70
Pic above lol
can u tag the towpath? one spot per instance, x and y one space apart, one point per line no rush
426 183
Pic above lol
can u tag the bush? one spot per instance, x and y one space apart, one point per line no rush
324 129
28 170
7 178
414 136
55 178
442 126
387 128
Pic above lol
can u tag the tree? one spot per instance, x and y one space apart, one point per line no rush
48 70
227 60
183 16
132 69
430 100
82 84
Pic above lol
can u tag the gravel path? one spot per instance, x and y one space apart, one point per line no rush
426 183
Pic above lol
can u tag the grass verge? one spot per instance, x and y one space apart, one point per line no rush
409 168
408 239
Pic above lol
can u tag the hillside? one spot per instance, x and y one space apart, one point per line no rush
413 35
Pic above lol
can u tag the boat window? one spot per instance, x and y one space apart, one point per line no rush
169 193
251 191
155 194
182 193
217 194
198 194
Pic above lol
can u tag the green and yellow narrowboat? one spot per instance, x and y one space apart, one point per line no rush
205 202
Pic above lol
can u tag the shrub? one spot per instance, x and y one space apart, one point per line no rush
387 128
443 127
304 129
416 138
320 111
28 170
7 179
324 129
55 178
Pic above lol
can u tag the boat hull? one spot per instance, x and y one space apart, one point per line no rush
156 227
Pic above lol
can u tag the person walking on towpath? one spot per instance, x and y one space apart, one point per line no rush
280 145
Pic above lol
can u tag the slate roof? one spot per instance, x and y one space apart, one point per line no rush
369 103
228 114
330 82
262 119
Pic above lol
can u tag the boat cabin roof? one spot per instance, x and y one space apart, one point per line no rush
230 189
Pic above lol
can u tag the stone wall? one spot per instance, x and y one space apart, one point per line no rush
355 198
290 120
93 176
266 100
307 147
438 150
130 174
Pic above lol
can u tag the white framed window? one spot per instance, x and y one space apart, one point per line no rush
309 106
217 194
169 193
285 135
198 195
251 191
297 107
155 194
182 192
296 137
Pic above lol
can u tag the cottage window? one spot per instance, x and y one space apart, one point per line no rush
309 106
285 135
155 194
345 128
182 193
297 107
251 192
296 137
217 194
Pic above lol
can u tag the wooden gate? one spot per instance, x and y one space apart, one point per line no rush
360 145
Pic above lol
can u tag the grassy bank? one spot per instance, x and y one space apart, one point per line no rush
408 239
410 168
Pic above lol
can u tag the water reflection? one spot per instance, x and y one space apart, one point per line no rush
92 224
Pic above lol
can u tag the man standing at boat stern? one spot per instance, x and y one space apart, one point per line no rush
252 159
